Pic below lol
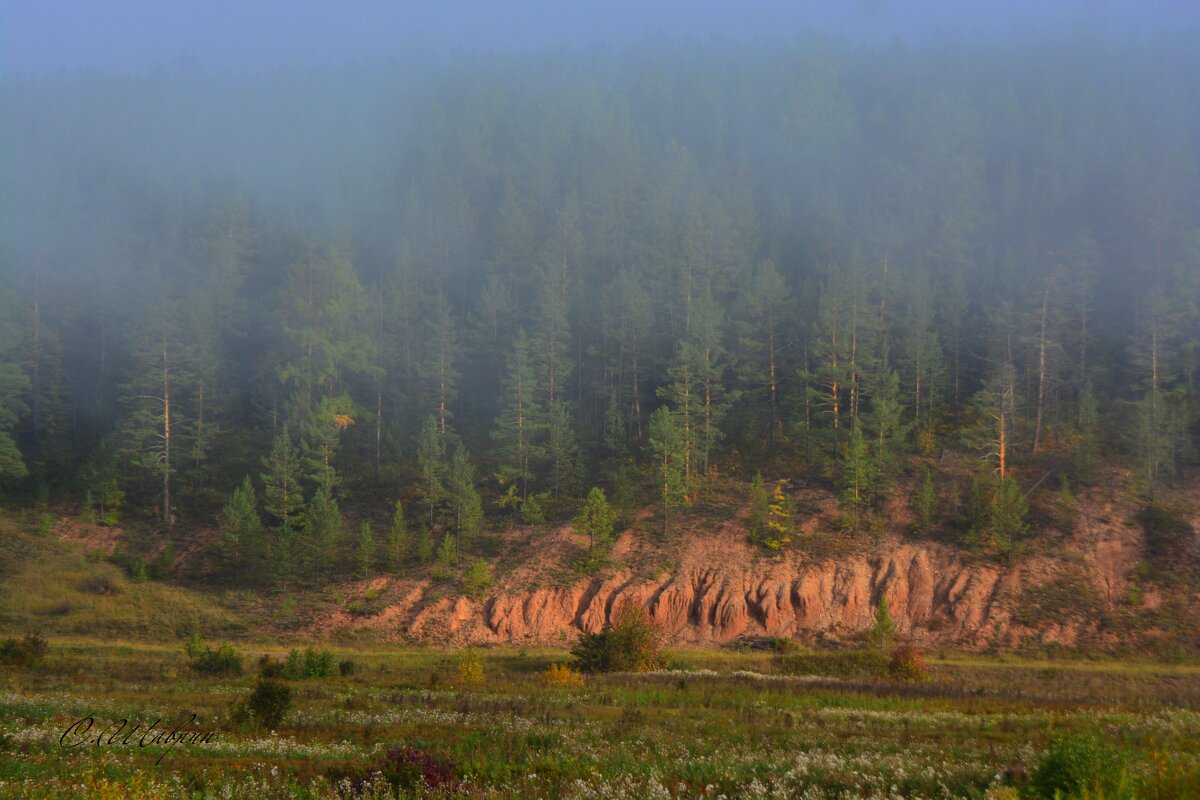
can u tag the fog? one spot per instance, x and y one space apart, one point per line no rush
898 221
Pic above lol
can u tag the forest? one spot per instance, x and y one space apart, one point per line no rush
477 290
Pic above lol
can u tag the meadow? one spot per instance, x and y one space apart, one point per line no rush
410 722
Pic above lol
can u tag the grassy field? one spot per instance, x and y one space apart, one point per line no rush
718 724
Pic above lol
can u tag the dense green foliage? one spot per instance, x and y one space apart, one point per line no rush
493 287
629 642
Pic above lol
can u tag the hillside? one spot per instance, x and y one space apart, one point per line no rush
1093 573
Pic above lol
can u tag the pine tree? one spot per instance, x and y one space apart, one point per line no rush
925 502
322 532
666 441
858 476
922 361
562 450
596 520
424 545
766 302
283 501
431 456
778 530
439 370
324 319
1085 459
760 506
883 633
465 503
159 377
883 424
13 385
397 539
366 551
517 426
241 529
447 554
1006 513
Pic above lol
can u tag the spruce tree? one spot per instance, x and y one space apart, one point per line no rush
431 457
465 503
666 440
283 501
925 502
241 530
397 539
596 521
883 633
366 551
322 532
517 426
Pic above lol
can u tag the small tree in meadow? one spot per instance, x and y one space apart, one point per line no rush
630 642
883 634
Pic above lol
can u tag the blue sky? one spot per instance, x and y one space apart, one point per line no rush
43 36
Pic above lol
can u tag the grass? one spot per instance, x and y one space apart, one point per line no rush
719 722
54 588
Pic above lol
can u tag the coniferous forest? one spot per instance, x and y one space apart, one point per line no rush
472 291
730 413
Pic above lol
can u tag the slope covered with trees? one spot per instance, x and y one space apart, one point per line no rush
487 289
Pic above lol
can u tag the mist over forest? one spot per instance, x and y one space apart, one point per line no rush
469 282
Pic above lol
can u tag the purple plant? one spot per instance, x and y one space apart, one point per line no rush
408 767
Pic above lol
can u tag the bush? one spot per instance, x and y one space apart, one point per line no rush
346 668
270 667
26 652
630 642
309 664
1077 764
561 676
207 661
270 702
907 665
470 668
410 769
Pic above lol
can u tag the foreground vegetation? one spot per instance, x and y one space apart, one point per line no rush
504 723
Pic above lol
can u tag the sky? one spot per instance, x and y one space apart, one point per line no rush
48 36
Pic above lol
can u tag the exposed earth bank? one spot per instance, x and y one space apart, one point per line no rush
1087 584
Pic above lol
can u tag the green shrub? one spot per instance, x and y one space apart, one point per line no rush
207 661
270 702
270 667
630 642
1075 765
309 664
26 652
